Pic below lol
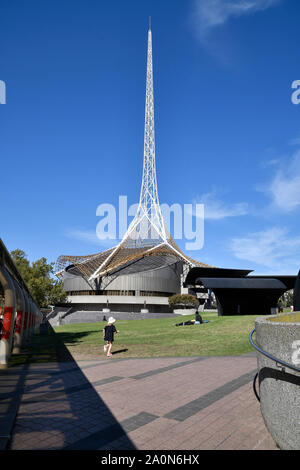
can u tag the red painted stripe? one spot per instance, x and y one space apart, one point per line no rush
7 319
19 321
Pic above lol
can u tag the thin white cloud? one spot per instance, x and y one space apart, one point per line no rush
272 248
270 163
90 237
216 209
284 188
295 142
209 14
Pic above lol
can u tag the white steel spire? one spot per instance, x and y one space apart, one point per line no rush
147 232
149 208
147 243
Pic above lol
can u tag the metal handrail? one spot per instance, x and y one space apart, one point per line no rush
254 386
273 358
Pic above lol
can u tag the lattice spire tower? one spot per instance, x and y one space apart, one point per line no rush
148 227
147 236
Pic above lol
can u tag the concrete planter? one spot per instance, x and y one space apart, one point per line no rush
184 311
280 389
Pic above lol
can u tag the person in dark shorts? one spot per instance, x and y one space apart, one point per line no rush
108 335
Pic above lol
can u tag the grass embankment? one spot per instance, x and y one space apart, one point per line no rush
158 338
290 318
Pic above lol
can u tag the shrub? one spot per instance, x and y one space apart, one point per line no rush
183 300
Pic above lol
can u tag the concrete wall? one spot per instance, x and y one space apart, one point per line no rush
279 390
93 317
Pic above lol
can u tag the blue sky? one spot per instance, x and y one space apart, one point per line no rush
227 132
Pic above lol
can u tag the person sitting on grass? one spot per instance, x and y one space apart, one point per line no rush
108 335
198 318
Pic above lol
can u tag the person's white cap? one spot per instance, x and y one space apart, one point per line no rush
111 320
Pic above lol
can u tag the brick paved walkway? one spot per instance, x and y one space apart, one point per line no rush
161 403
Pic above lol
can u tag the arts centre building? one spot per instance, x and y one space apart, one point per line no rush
147 266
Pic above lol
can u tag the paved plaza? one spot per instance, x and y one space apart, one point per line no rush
193 403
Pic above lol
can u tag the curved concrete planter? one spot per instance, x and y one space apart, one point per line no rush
184 311
279 389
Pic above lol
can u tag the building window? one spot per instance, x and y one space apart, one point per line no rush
120 292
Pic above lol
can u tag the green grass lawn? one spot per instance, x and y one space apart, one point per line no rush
160 337
222 336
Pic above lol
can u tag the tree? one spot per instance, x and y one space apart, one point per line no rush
22 264
287 299
44 288
183 300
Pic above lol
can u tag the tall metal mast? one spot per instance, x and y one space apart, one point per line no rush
149 202
147 232
147 236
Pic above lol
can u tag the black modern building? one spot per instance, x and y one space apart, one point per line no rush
237 292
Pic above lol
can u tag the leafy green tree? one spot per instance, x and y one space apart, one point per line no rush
44 288
22 264
287 299
184 300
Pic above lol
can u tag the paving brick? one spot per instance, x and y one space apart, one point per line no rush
64 404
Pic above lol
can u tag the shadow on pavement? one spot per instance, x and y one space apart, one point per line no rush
59 408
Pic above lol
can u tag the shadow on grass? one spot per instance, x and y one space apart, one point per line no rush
119 351
48 347
79 417
74 337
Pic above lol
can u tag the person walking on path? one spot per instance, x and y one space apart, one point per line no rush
108 334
